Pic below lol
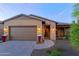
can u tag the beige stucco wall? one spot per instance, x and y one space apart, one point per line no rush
53 31
23 21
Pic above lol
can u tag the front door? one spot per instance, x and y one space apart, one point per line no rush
47 32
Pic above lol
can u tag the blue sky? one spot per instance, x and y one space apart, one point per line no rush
61 12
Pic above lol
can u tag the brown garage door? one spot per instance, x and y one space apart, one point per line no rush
23 33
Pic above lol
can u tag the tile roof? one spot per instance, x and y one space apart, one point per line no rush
35 17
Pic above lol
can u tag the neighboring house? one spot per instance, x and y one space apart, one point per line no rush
30 27
1 28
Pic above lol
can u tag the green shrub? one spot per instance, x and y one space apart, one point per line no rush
74 29
55 52
74 34
67 37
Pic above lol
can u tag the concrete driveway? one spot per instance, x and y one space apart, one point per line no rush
21 48
16 48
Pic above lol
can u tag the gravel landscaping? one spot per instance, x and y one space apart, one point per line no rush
63 45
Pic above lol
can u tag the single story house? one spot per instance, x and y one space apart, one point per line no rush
32 27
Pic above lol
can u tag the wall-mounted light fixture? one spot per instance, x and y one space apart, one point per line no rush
53 29
5 29
39 31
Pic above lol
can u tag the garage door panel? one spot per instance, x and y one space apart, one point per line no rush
23 33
